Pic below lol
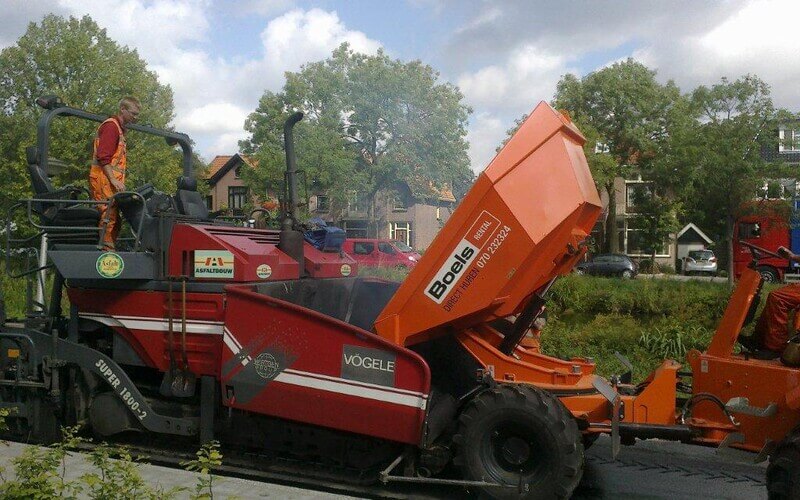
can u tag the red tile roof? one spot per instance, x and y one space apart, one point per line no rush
220 161
217 163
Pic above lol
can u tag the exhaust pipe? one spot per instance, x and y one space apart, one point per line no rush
291 240
291 171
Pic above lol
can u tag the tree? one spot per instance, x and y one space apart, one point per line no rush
371 122
630 114
77 61
725 150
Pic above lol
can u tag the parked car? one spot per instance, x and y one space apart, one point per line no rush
700 261
609 264
381 253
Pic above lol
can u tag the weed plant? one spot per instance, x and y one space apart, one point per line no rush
646 320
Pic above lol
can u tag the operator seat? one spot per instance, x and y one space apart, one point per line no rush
189 201
57 215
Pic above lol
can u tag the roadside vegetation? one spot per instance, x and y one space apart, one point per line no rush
647 320
43 473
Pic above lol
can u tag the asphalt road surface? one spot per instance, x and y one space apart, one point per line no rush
666 470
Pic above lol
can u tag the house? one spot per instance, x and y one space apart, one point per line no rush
412 212
226 188
785 150
628 224
409 213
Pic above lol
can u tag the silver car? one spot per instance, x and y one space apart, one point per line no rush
700 261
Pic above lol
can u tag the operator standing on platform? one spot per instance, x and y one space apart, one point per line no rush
771 332
109 164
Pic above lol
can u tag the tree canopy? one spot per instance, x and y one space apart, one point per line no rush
629 114
725 149
77 61
370 122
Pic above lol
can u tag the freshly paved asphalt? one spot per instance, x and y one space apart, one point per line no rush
667 470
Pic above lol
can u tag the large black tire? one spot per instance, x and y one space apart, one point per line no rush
515 430
783 473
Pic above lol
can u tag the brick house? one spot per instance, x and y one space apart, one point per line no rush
411 212
226 188
413 215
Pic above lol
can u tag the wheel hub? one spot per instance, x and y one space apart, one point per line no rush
515 450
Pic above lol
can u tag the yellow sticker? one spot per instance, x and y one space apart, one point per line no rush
13 353
109 265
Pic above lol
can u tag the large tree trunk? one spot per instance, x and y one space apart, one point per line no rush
612 238
729 221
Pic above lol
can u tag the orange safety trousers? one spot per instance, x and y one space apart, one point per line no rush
772 327
101 189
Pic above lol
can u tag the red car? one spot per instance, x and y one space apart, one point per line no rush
381 253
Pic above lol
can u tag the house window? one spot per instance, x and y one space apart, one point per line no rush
323 204
634 241
236 172
634 191
400 231
398 203
237 199
210 202
357 202
789 140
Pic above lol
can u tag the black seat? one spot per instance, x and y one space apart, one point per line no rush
189 201
146 214
59 214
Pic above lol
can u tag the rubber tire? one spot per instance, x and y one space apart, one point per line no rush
525 414
580 272
768 274
783 472
627 274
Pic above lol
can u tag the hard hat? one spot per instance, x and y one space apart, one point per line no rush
791 354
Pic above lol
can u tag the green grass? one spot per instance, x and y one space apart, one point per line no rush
646 320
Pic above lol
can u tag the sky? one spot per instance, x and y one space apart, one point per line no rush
220 56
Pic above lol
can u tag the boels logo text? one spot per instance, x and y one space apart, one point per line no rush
461 258
437 290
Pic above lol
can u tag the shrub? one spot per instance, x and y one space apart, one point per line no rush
646 320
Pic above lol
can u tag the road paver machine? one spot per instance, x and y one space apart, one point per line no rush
254 337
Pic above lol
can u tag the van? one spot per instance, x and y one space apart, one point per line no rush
381 253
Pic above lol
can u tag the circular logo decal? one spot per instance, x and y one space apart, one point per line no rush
266 365
346 269
109 265
264 271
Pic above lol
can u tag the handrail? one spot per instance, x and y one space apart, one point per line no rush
43 135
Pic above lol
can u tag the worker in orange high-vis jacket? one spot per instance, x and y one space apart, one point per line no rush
109 165
772 330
